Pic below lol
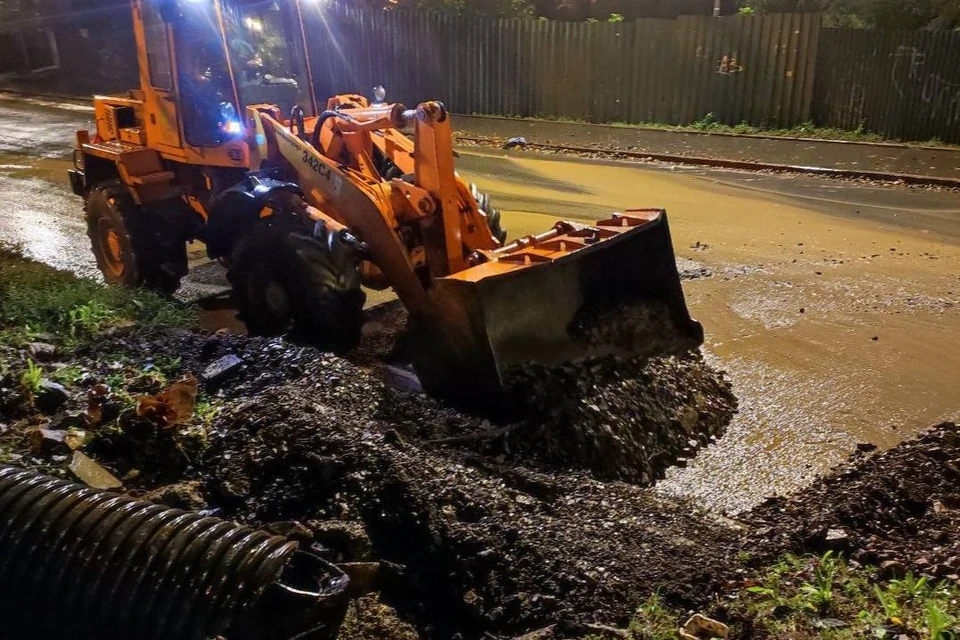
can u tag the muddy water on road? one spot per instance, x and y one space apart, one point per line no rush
833 309
38 210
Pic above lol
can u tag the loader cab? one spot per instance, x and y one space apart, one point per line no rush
205 61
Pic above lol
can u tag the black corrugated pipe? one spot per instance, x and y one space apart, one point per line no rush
80 563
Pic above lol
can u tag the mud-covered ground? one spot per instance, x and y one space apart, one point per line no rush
474 527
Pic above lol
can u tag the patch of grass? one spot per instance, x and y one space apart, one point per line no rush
821 597
828 597
39 301
68 374
654 620
31 378
808 130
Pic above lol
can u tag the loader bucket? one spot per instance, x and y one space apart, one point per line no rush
574 292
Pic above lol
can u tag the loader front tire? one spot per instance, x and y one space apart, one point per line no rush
287 280
127 250
493 215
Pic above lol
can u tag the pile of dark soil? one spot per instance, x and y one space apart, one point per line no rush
899 509
478 527
626 419
472 545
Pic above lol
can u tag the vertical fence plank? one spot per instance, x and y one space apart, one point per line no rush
788 68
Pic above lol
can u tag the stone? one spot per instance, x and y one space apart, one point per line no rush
222 368
892 569
47 442
182 495
90 472
76 438
700 627
42 350
348 540
837 539
50 396
363 576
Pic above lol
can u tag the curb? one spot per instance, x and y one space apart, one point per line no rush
718 134
907 178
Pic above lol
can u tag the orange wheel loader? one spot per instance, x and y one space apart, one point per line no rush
226 142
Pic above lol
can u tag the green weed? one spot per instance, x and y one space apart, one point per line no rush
654 620
31 378
41 301
819 593
940 623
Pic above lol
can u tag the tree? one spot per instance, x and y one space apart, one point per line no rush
880 14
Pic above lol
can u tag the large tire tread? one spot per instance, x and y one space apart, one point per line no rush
150 259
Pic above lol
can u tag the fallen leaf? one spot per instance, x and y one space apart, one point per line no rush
172 406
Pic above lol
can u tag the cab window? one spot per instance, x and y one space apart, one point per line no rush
158 52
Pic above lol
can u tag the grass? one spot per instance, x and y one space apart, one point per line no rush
823 597
42 303
807 130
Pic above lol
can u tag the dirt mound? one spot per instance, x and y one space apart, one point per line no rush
476 547
627 419
899 506
472 541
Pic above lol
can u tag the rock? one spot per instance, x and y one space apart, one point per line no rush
221 369
76 438
866 447
367 618
291 529
892 569
363 576
348 539
50 396
47 442
837 539
42 350
182 495
89 471
700 627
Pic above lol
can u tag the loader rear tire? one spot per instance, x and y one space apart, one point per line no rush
128 250
287 281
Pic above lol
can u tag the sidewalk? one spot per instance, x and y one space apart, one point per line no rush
878 160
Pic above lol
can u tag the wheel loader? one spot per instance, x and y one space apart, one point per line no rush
306 203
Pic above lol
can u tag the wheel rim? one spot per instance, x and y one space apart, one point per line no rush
276 300
111 247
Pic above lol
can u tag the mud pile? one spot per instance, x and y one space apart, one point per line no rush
472 525
899 509
467 544
627 419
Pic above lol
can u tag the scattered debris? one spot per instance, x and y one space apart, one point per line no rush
45 442
222 368
90 472
51 396
516 141
173 406
42 350
700 627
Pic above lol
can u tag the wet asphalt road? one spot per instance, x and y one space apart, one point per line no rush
834 306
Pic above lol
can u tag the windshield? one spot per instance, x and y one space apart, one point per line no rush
266 53
266 58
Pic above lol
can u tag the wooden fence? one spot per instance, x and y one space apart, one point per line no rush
755 69
903 84
771 70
